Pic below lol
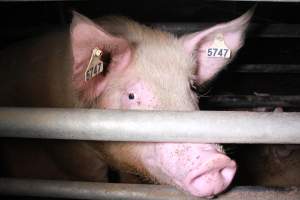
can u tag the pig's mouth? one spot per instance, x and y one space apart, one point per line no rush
211 178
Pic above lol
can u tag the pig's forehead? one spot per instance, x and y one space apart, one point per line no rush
165 57
166 67
159 49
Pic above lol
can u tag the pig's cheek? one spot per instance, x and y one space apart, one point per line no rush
154 164
127 103
110 101
165 162
138 97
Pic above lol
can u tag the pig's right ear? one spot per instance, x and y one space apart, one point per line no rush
85 36
232 37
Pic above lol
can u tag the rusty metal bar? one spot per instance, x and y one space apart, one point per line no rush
92 190
156 126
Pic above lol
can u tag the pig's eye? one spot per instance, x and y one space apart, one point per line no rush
131 96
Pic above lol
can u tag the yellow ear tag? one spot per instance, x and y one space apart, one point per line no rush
95 65
218 49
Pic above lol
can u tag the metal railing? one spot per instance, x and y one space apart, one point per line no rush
155 126
91 190
94 124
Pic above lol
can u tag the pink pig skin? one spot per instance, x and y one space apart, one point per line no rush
145 69
204 169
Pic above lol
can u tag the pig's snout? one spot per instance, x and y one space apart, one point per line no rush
202 170
212 178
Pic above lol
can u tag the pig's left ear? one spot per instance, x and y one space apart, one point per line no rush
198 43
85 36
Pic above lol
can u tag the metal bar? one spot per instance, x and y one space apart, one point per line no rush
157 126
291 1
256 30
252 101
35 0
92 190
268 68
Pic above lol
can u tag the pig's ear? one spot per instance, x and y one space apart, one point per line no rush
85 35
197 44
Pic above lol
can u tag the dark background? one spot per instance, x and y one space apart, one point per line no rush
22 20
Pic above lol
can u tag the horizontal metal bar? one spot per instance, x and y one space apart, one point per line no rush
262 0
255 30
36 0
157 126
92 190
253 101
268 68
210 0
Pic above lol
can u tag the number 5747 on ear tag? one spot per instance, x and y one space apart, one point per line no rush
218 49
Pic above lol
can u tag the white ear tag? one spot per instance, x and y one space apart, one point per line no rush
95 65
218 49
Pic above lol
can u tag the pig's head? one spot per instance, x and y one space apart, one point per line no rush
148 69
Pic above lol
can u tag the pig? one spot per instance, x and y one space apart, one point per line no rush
143 69
276 165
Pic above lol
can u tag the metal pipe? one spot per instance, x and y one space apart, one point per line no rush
92 190
157 126
252 101
290 1
255 30
267 68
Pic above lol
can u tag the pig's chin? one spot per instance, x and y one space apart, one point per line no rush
199 169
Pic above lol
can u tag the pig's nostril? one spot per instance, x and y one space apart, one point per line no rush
228 173
212 180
